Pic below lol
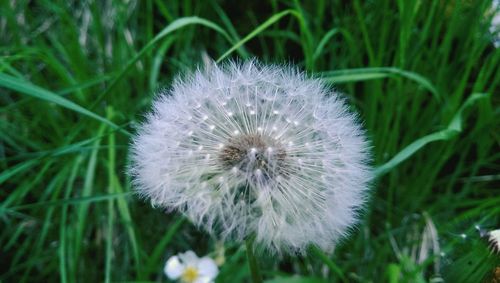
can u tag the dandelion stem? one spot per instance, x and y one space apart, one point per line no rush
252 262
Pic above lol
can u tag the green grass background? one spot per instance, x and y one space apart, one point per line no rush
77 76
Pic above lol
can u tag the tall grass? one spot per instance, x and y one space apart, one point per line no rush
77 76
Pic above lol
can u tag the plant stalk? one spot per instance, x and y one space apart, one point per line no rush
252 262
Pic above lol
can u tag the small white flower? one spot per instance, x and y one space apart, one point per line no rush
250 150
189 268
494 238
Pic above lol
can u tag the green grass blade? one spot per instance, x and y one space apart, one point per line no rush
230 27
88 187
159 250
175 25
363 74
30 89
328 262
453 129
72 201
4 176
84 85
331 33
355 77
273 19
63 247
296 279
110 207
124 212
157 62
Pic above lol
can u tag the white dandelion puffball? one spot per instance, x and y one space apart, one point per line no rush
246 150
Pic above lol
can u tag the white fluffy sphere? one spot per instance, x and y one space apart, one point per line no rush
249 150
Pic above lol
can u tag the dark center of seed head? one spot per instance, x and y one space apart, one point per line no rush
254 154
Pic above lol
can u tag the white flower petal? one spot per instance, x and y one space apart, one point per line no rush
207 267
174 268
204 279
189 258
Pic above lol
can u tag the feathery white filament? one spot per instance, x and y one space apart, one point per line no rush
246 149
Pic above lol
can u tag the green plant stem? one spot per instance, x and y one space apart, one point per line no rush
328 262
252 262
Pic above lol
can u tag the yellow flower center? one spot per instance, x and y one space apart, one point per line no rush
189 275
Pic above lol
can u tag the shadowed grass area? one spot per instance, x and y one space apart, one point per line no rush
76 78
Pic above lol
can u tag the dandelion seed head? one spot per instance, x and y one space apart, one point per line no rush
251 150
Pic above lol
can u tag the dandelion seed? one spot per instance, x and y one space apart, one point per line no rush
494 239
188 268
292 170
